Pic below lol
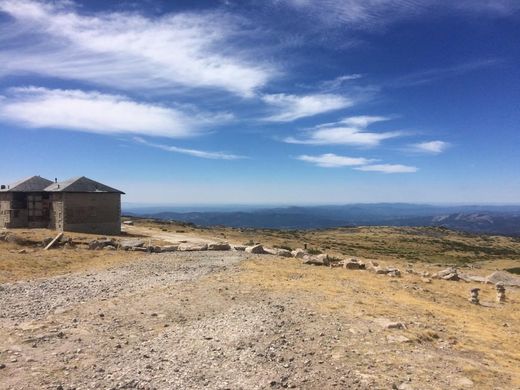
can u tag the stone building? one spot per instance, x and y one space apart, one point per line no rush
79 205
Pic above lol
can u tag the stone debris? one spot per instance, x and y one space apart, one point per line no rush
322 259
474 296
169 248
449 274
219 246
504 277
278 252
472 278
130 244
353 264
192 247
101 243
385 323
256 249
299 253
501 292
240 248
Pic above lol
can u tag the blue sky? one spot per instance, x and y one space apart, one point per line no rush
271 102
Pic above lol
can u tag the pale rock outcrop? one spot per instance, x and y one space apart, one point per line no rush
299 253
219 246
192 247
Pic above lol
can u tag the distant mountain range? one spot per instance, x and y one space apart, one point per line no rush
476 219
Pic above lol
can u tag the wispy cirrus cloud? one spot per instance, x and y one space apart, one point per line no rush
101 113
128 51
191 152
349 131
376 14
330 160
432 75
387 168
291 107
432 147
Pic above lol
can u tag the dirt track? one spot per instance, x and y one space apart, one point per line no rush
210 320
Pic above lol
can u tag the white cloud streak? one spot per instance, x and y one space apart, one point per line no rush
349 131
376 14
388 168
330 160
191 152
100 113
128 51
292 107
432 147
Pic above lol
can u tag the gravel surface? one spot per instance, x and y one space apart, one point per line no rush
181 321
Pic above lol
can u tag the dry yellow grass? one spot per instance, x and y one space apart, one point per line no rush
37 263
489 334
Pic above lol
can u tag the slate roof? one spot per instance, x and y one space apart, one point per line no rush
30 184
81 184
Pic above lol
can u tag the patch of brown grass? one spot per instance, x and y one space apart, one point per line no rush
437 312
38 263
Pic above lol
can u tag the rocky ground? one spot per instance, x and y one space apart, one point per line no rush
235 320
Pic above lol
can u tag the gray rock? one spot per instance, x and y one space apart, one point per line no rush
353 264
257 249
220 246
278 252
187 247
322 259
128 244
240 248
169 248
506 278
448 274
299 253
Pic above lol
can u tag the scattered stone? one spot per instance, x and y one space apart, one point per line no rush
110 248
278 252
388 324
426 280
501 292
449 274
322 259
240 248
100 244
22 251
2 366
187 247
130 223
299 253
220 246
474 296
169 248
505 277
131 244
391 271
256 249
353 264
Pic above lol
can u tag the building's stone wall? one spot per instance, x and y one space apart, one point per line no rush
5 207
56 212
13 214
90 213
